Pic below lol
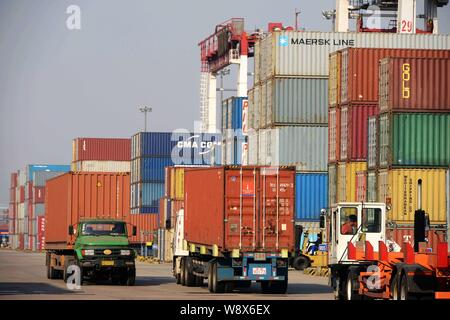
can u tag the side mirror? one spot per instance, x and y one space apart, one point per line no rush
71 230
134 230
322 219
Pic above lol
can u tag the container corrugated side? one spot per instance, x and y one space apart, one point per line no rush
419 84
301 146
399 189
263 102
177 183
414 139
361 186
346 184
405 234
300 53
251 113
354 130
101 166
334 134
311 195
41 177
334 79
372 138
253 138
150 193
361 70
332 184
372 186
296 101
32 168
102 149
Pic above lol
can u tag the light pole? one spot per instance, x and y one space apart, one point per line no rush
145 110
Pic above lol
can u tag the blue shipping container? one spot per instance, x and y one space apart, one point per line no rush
148 210
45 167
311 195
232 112
149 194
152 169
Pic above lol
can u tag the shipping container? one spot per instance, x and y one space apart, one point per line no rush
177 183
253 138
150 193
360 68
235 144
414 139
372 186
353 138
41 233
101 166
150 169
407 84
311 195
13 182
146 225
361 186
372 142
101 149
38 209
295 101
405 234
233 109
332 184
306 54
254 105
251 109
262 103
346 184
399 189
74 196
301 146
33 168
259 201
41 177
334 134
39 194
334 83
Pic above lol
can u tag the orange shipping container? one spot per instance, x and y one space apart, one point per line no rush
74 196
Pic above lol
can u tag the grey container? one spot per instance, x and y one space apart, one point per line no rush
41 177
332 184
39 209
305 147
291 101
372 194
306 54
372 136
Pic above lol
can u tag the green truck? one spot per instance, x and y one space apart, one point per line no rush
87 228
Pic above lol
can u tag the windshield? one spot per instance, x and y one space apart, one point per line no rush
103 229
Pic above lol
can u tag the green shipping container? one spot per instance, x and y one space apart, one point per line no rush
414 140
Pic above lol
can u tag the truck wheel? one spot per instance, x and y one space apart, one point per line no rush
395 287
217 286
182 272
275 287
178 278
301 263
128 278
190 277
404 290
351 290
210 278
198 281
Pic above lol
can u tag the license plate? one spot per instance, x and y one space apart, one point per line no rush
107 263
259 271
260 256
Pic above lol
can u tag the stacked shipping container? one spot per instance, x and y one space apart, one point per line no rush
234 129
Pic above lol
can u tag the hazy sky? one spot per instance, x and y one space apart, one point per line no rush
57 84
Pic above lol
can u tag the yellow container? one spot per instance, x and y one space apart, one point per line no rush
399 189
334 78
346 182
177 183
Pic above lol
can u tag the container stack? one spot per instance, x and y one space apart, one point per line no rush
4 226
412 138
101 155
12 217
234 124
353 100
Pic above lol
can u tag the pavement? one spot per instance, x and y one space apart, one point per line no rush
23 276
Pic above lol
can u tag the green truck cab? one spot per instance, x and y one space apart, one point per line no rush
101 251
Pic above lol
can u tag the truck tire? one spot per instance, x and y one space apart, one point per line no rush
198 281
404 289
351 290
217 286
210 278
274 287
182 272
128 277
301 263
395 287
178 278
190 277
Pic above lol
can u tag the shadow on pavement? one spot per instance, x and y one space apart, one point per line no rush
18 288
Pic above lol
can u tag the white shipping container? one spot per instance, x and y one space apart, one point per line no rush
372 143
102 166
253 147
302 146
22 177
306 54
372 186
21 211
263 102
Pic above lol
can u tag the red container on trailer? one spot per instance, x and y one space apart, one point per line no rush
405 233
74 196
245 208
40 233
360 68
354 125
143 222
101 149
409 85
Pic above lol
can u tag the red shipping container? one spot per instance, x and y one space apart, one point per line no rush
39 195
101 149
162 212
30 210
29 193
414 85
361 186
22 194
40 244
12 195
250 209
405 234
354 125
73 196
334 134
148 223
13 183
21 244
175 207
359 70
167 181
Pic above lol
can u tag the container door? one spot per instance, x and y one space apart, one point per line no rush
277 209
241 209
